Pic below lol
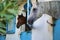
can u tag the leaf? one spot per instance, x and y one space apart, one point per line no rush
2 25
1 7
13 11
2 15
8 17
2 31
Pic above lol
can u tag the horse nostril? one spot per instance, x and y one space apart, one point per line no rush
30 21
18 26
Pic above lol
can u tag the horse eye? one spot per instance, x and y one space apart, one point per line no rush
34 10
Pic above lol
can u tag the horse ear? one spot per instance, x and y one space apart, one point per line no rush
21 14
37 3
18 15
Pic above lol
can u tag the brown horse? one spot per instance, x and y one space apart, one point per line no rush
22 20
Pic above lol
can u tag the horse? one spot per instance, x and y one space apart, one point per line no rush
22 20
42 23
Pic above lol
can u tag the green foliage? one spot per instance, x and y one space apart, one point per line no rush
8 9
2 27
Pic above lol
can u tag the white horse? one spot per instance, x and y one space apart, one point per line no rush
41 28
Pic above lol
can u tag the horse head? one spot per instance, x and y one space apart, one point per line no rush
37 11
21 20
